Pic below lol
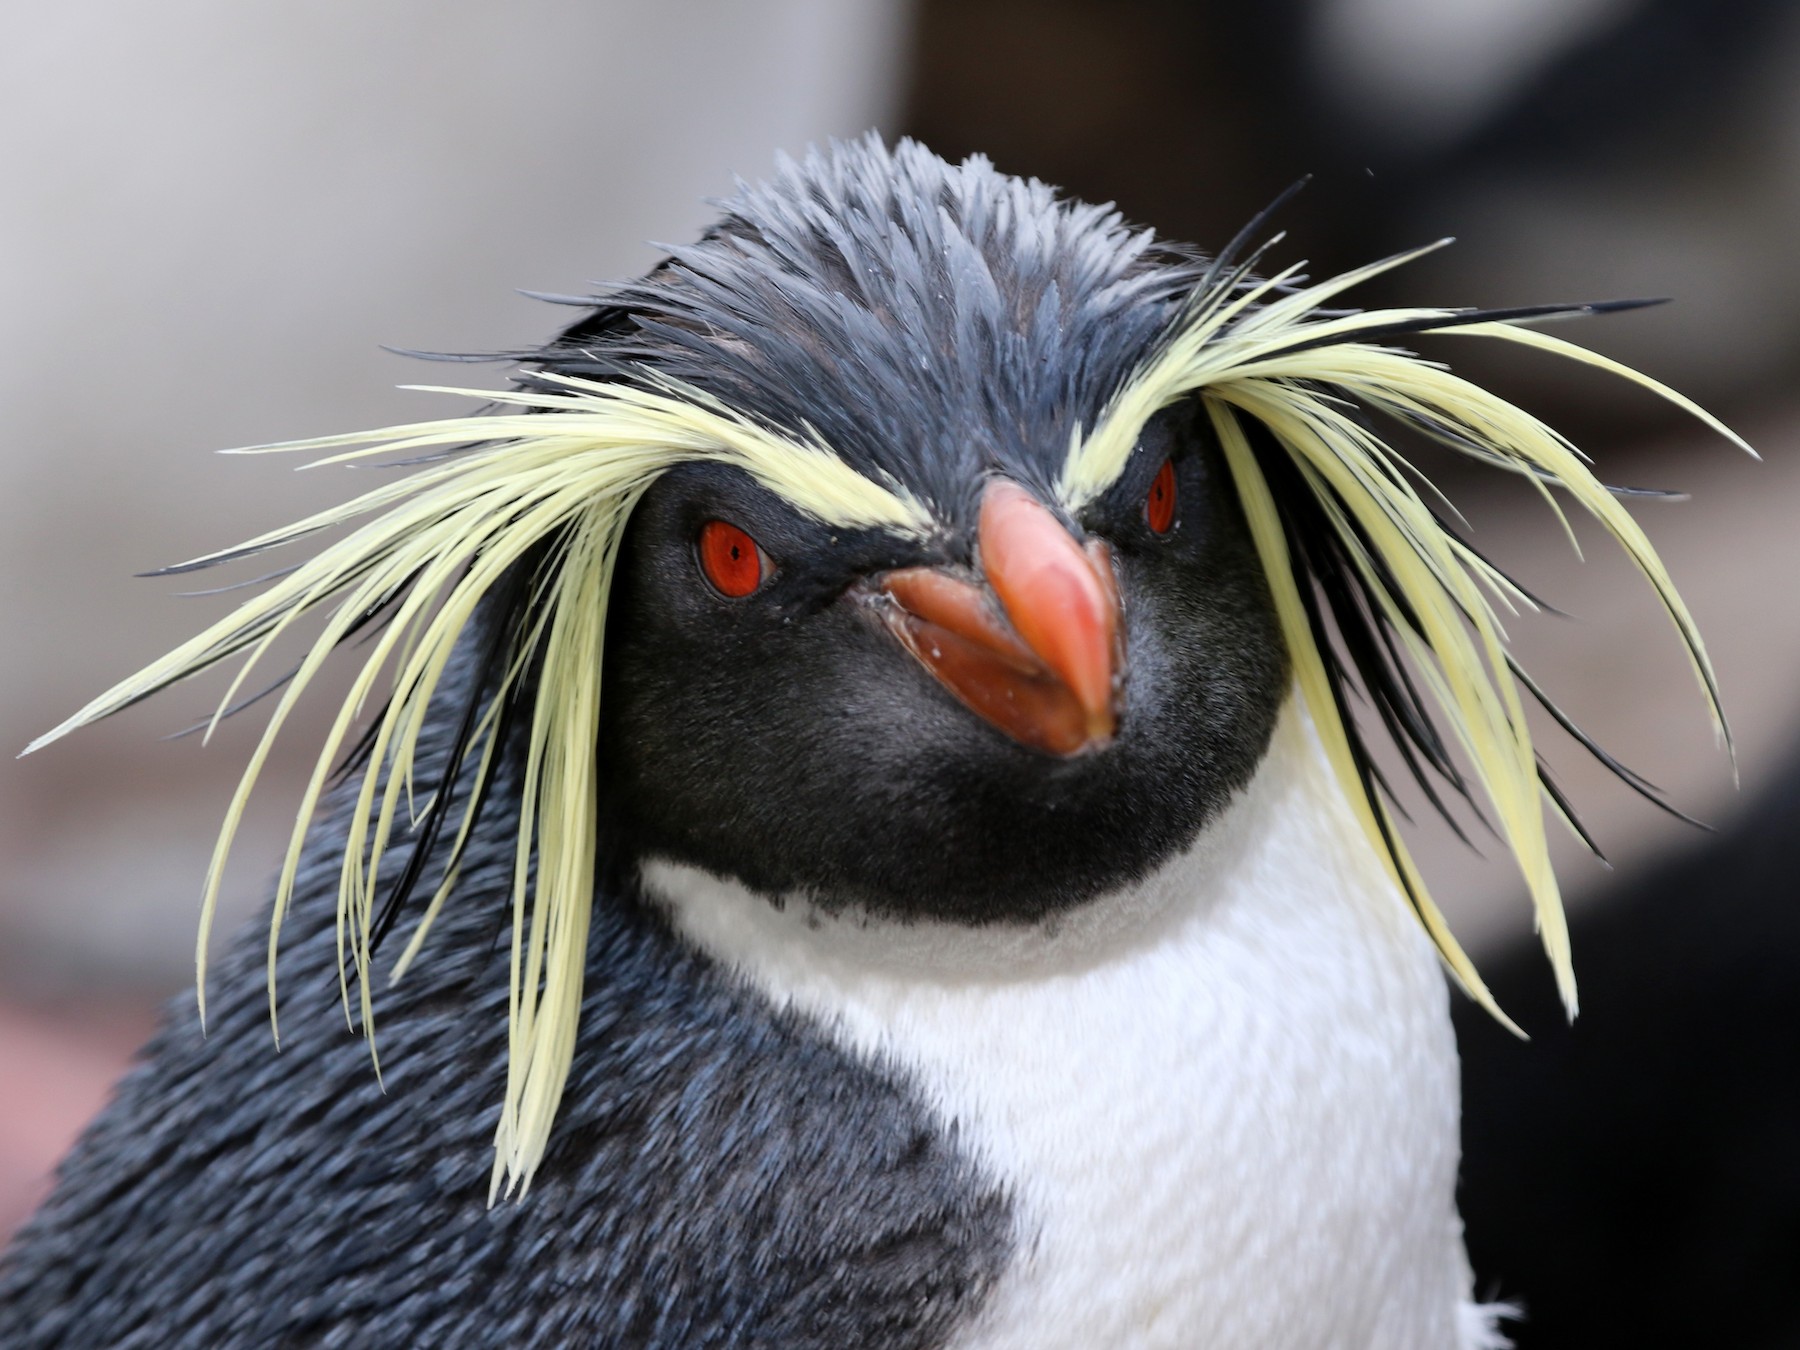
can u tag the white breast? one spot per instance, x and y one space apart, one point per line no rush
1225 1101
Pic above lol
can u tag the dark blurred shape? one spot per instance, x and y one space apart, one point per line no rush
1147 103
1635 1179
1640 149
1662 79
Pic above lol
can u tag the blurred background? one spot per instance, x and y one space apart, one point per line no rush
216 213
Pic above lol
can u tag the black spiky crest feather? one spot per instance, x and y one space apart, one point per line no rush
534 497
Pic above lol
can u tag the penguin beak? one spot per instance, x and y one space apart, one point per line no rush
1034 644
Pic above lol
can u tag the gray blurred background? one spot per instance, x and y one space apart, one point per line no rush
213 214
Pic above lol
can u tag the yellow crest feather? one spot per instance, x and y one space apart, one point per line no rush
1267 351
433 544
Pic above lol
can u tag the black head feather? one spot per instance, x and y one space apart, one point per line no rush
932 322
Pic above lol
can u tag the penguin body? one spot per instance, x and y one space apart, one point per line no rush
1222 1099
866 678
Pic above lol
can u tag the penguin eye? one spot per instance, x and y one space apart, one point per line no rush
1159 504
730 558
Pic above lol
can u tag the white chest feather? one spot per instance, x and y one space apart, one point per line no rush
1225 1101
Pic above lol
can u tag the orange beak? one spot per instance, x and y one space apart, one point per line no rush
1037 651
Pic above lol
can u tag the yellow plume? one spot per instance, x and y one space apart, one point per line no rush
431 546
1269 353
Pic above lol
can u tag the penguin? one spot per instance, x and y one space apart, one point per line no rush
852 826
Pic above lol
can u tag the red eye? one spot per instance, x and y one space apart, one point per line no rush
730 559
1159 506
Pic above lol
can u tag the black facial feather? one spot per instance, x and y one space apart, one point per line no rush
787 740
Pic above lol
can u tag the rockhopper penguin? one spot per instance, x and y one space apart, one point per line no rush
857 834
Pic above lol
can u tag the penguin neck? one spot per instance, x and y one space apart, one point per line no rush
1287 829
774 936
1226 1091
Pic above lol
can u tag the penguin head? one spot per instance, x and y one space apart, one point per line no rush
1018 706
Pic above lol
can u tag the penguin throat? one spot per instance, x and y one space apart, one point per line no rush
726 919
